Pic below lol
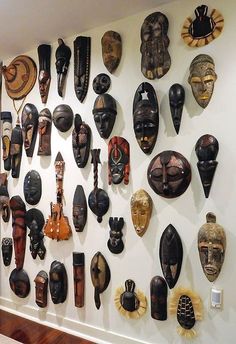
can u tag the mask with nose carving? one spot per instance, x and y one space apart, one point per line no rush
169 174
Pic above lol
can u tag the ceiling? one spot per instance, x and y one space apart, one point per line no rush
27 23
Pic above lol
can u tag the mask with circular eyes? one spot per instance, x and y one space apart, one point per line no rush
156 60
202 78
29 124
171 255
58 282
63 117
44 129
79 209
104 114
141 211
20 283
111 50
6 133
169 174
118 160
32 187
145 117
211 247
81 139
158 293
101 83
176 100
207 148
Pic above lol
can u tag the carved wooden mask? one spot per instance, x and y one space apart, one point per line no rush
79 278
58 282
155 56
111 50
211 247
32 187
101 83
63 55
100 275
16 150
118 160
202 78
63 117
145 117
20 283
44 130
141 211
176 100
207 148
6 251
4 198
158 295
6 133
104 114
35 222
115 243
41 289
81 140
79 209
171 255
29 123
169 174
44 54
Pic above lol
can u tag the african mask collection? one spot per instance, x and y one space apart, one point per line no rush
211 247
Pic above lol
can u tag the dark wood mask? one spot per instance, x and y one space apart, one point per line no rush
79 209
20 283
156 60
185 312
63 55
35 222
98 199
81 140
104 114
82 51
158 296
111 50
79 278
58 282
6 251
145 117
6 118
44 78
176 101
63 117
44 130
101 83
41 289
115 243
32 187
203 29
211 247
16 150
29 123
169 174
19 229
171 255
100 275
4 198
118 160
207 148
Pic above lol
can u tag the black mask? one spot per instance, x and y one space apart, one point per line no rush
20 283
104 113
29 122
63 55
79 209
7 251
158 291
101 83
58 282
6 118
176 100
32 187
63 117
35 222
115 243
16 151
81 139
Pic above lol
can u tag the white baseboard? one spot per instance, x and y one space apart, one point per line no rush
94 334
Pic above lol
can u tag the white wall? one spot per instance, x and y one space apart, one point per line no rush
140 258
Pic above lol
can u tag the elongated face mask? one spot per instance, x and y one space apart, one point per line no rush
29 121
158 291
141 211
79 209
202 78
111 50
169 174
81 139
211 247
63 55
176 100
44 129
41 288
104 114
6 251
118 160
32 187
6 118
58 282
44 54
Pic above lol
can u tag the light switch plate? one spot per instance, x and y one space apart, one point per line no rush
216 298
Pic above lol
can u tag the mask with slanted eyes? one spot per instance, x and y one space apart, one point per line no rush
104 114
202 78
169 174
141 211
176 100
211 247
29 123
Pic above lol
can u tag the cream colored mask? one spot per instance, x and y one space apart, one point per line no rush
141 211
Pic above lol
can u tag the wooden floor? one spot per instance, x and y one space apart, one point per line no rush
30 332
